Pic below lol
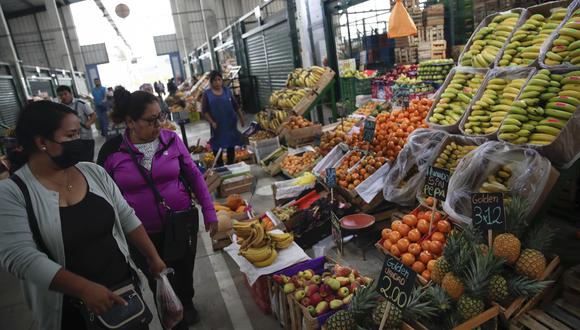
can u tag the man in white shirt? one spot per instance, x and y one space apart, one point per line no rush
87 116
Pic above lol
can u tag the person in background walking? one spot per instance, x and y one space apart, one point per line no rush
100 97
87 117
161 88
221 110
81 217
164 108
157 176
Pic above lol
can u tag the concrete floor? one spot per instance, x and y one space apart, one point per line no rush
221 289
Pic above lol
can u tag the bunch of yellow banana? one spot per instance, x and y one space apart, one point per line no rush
287 98
497 182
243 229
271 119
281 241
305 77
260 257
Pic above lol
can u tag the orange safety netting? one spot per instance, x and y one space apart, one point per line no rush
400 23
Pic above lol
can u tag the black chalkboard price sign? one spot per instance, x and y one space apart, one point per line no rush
336 232
369 130
487 211
331 177
396 282
436 183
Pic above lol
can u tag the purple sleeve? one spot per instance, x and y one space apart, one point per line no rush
197 184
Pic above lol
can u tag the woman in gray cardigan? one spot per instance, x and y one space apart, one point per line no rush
82 217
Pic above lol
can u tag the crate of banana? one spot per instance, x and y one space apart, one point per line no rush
490 37
257 245
523 48
288 98
306 77
545 115
564 50
454 98
491 104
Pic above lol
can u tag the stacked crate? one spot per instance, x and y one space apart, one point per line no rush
433 33
483 8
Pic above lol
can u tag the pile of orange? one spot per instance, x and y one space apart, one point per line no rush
409 240
392 129
365 168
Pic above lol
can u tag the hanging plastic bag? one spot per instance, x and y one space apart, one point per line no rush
407 174
528 178
169 307
400 23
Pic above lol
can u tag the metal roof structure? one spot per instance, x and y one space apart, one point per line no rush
17 8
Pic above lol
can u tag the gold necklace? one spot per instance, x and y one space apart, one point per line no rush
68 185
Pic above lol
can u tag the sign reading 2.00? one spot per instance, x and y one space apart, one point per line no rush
396 281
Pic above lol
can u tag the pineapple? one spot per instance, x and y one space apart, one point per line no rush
508 245
441 268
420 306
452 285
470 307
520 286
531 264
498 288
459 260
363 301
451 249
439 298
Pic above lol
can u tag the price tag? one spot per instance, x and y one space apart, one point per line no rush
436 183
336 232
396 281
331 177
369 131
487 211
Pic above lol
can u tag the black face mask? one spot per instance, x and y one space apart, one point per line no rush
72 152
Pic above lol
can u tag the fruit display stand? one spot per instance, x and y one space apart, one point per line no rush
521 305
448 119
492 111
559 121
490 59
546 10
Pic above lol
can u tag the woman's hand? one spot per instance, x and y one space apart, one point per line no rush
214 125
156 266
99 299
212 227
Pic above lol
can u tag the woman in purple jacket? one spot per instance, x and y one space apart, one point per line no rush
149 163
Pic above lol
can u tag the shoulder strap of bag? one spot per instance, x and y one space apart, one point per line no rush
147 179
32 221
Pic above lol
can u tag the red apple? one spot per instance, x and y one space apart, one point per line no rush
324 290
344 281
341 271
354 286
311 289
330 297
278 279
305 301
315 298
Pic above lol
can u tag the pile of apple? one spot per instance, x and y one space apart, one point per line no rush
319 293
409 240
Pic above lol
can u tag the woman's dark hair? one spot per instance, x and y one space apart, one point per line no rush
41 118
130 104
213 75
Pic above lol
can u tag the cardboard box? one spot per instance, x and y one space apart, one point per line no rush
301 136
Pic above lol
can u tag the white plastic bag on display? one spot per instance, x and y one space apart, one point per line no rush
407 174
529 175
169 307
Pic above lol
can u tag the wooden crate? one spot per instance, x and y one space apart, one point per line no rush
280 305
241 185
301 136
433 33
212 180
470 324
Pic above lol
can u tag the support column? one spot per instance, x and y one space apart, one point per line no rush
53 15
181 44
208 37
69 24
8 53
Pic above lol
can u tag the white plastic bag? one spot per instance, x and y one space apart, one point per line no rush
530 172
169 307
410 166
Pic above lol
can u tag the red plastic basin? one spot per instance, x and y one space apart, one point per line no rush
357 221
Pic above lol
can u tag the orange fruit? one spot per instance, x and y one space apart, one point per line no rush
394 236
425 244
444 226
431 264
385 233
423 226
387 245
403 229
426 274
403 245
410 220
418 267
425 257
437 236
435 247
414 235
395 251
429 201
395 224
407 259
414 249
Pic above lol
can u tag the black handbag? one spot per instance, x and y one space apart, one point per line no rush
179 226
119 317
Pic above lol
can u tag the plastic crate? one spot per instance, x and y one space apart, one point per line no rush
351 87
263 148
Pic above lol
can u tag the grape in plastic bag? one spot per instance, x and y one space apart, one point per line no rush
169 307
